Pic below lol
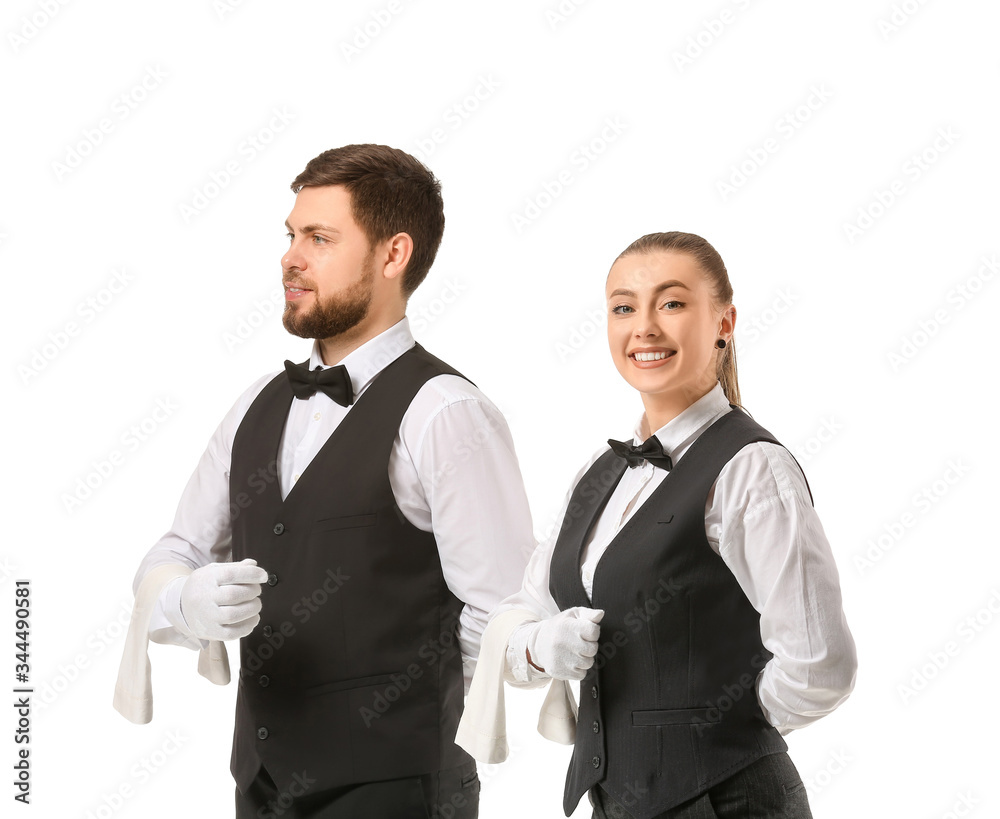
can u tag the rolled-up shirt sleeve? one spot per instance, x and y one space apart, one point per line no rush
770 536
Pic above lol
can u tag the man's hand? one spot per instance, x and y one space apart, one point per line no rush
221 601
565 645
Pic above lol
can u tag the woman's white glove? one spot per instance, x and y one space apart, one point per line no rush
565 645
221 601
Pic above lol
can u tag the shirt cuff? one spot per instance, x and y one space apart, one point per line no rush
518 670
810 703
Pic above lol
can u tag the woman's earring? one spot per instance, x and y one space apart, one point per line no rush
721 344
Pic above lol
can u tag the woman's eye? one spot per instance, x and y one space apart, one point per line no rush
621 309
290 236
673 305
318 239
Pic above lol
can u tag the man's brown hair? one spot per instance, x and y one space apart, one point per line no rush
391 192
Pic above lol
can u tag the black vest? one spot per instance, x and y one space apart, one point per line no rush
669 707
354 673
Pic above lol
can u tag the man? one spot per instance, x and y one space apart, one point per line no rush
352 521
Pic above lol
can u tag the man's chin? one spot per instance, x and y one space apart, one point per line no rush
317 323
294 326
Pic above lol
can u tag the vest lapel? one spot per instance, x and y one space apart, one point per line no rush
599 482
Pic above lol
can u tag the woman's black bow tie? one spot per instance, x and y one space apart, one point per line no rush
651 450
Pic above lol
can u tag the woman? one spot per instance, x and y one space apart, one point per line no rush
690 587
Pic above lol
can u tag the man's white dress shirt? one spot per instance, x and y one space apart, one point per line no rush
453 472
759 519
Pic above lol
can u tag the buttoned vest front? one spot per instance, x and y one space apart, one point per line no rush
669 707
354 673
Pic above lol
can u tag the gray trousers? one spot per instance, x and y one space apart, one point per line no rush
769 788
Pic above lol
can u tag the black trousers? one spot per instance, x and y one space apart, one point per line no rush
451 794
769 788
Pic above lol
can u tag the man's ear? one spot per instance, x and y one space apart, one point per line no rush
397 253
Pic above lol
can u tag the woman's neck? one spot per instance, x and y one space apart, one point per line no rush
661 409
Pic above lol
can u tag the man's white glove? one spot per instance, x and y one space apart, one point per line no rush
565 645
221 601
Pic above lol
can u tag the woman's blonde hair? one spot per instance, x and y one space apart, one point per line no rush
711 263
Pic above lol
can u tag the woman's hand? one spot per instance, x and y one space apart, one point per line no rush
564 646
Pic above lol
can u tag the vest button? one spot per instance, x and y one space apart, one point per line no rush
597 761
268 631
272 580
593 691
262 733
279 528
264 681
597 727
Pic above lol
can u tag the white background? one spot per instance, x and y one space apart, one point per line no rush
857 347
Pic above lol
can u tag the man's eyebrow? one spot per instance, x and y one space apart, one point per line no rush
315 227
621 291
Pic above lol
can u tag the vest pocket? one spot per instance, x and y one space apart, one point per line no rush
344 685
344 522
675 716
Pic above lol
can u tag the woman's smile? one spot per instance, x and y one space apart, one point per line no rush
646 358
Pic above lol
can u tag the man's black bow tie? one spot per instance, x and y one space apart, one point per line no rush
333 381
651 450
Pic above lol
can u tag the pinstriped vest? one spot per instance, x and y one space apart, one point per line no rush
669 707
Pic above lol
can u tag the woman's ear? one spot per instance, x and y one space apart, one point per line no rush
727 322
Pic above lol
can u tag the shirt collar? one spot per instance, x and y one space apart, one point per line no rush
368 360
679 433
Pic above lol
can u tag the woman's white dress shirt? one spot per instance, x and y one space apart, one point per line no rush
759 519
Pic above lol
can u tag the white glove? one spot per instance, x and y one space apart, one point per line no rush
565 645
221 601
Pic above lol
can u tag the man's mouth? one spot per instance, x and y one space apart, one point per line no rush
292 292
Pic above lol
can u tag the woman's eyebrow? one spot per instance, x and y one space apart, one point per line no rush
621 291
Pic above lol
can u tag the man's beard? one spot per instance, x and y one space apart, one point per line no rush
335 315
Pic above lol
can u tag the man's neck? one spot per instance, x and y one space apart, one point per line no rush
335 349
